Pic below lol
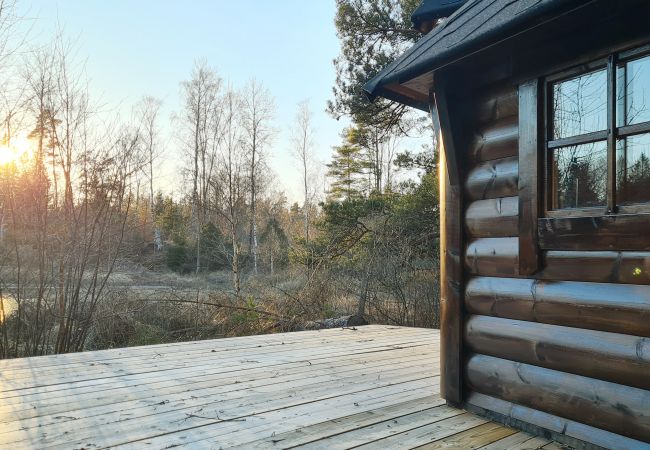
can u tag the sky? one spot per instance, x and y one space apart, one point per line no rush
147 47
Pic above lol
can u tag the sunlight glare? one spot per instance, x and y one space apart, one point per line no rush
18 151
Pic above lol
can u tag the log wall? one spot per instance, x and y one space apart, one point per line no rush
570 341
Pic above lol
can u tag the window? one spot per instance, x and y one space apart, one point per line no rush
598 138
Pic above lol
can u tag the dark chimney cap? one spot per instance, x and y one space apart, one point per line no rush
430 11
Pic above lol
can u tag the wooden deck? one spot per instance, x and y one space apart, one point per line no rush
373 387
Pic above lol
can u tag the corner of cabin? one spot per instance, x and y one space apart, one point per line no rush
542 113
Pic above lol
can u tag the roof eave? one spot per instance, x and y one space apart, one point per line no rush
378 85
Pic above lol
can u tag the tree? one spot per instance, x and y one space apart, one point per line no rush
372 33
258 110
231 191
200 96
302 141
347 170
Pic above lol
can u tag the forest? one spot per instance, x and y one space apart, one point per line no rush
94 255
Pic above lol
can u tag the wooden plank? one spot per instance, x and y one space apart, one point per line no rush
162 361
610 232
496 217
493 179
475 437
115 429
442 113
130 398
236 343
382 430
248 369
11 382
620 409
270 379
299 424
229 407
451 286
451 239
530 177
616 308
426 434
310 433
614 357
517 441
574 434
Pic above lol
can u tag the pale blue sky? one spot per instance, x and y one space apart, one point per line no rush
146 47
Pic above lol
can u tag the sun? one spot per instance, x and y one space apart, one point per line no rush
19 150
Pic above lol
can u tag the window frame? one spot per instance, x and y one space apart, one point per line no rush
612 134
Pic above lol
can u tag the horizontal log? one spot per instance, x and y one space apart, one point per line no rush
497 104
499 257
611 267
617 308
614 357
493 179
495 140
495 257
620 409
495 217
554 427
614 232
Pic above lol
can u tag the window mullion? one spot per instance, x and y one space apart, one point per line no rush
611 134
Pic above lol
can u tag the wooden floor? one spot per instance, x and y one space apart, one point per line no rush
371 387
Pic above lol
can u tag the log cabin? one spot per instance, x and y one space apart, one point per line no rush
542 108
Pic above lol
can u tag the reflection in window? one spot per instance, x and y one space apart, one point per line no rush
580 105
633 82
580 175
633 169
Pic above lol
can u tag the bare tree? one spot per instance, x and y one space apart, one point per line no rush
302 142
258 110
231 176
200 95
147 112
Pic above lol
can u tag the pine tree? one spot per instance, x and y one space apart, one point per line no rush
347 171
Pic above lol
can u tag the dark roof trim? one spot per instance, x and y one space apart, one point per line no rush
475 26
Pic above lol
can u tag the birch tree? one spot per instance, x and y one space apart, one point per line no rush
302 141
258 111
230 193
200 96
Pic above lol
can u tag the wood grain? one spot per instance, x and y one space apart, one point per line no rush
609 232
495 140
616 308
620 409
492 179
530 174
614 357
495 217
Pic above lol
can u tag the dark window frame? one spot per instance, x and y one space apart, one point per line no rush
612 134
587 229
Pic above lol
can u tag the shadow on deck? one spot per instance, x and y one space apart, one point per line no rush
373 387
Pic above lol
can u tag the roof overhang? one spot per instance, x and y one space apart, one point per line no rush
477 25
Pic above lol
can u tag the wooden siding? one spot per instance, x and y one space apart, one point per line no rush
557 330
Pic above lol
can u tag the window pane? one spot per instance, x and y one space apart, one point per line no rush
580 175
580 105
633 169
634 92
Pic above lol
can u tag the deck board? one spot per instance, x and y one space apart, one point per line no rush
369 387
